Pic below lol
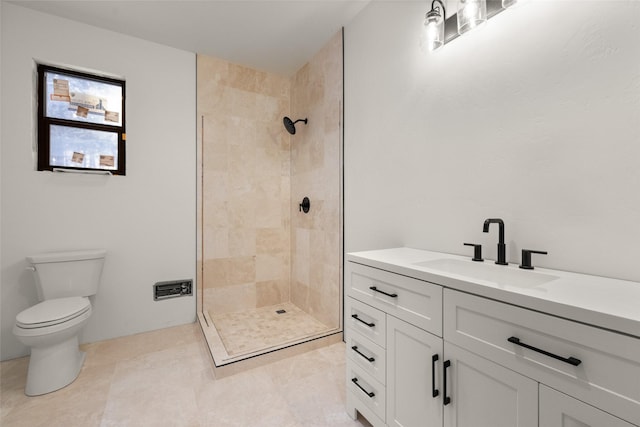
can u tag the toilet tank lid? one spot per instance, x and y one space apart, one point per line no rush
66 256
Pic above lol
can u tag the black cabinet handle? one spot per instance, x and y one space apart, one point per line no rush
355 316
446 399
370 359
375 289
570 360
434 391
368 393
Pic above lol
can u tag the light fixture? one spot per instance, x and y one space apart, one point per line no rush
439 30
434 25
471 13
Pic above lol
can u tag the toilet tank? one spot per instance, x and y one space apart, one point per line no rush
67 274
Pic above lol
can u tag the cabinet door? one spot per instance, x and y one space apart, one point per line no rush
484 394
560 410
410 400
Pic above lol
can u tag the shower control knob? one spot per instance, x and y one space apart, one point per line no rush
305 205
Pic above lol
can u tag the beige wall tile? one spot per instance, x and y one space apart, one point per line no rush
268 267
230 299
272 241
242 242
268 293
242 270
216 273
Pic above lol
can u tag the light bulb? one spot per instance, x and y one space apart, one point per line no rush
471 13
434 29
434 32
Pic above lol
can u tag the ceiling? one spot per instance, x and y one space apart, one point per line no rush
277 36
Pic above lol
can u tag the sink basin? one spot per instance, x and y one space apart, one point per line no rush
489 272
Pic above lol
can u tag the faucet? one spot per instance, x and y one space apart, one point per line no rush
502 248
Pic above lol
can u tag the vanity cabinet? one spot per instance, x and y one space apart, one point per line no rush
423 354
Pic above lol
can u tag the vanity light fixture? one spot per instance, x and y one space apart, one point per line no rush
471 13
434 25
440 30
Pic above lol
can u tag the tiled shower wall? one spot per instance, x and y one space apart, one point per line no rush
245 182
316 93
255 247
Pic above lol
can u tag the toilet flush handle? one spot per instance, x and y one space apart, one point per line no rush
30 268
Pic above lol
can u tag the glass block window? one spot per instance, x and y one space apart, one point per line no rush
81 121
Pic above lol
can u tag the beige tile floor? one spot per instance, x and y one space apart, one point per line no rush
164 378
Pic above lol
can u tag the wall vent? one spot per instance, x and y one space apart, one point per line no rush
172 289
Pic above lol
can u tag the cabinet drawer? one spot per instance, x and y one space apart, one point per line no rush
606 369
559 410
370 357
366 389
367 321
412 300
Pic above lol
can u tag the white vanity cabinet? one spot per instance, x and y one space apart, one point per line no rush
425 354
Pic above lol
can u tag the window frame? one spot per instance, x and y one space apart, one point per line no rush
45 123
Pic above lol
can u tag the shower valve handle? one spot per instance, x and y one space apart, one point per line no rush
305 205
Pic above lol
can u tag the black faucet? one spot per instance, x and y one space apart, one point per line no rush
502 248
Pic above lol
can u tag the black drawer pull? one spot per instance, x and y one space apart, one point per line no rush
355 316
434 391
375 289
368 393
370 359
446 399
570 360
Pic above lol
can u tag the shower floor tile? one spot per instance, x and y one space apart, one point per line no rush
264 328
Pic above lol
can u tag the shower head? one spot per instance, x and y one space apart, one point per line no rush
290 125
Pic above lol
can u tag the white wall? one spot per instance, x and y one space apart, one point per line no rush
534 118
146 220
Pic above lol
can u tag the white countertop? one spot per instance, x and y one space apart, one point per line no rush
607 303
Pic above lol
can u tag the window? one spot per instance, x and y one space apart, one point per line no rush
81 121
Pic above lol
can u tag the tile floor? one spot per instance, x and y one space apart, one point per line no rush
263 328
165 378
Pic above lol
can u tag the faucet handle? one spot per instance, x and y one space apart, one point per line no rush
477 251
526 258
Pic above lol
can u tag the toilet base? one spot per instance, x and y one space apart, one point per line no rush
53 367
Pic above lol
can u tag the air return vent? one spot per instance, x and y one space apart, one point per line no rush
172 289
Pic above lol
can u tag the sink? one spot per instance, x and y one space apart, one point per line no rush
496 274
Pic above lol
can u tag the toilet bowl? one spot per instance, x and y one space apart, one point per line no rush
51 329
64 281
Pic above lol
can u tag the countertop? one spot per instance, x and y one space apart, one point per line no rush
599 301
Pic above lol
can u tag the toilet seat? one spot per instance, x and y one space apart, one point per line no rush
52 312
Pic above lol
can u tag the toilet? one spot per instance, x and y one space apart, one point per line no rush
64 281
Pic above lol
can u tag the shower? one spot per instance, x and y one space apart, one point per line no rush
269 270
290 125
